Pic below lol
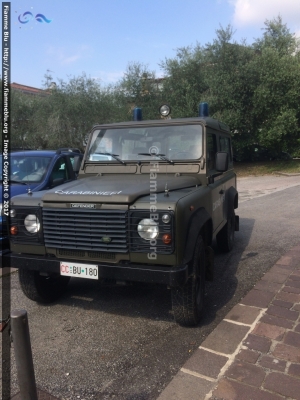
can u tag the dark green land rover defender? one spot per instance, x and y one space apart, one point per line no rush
149 199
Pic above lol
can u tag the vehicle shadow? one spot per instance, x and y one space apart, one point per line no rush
230 282
153 302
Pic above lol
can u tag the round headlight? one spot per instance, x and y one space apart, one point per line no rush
148 229
32 223
164 110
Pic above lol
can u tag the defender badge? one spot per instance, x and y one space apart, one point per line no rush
82 205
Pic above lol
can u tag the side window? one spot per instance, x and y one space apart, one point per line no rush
225 145
60 170
211 150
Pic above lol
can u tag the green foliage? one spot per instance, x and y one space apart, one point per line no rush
139 88
278 37
231 84
185 84
65 115
22 116
255 89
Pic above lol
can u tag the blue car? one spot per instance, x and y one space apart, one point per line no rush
35 170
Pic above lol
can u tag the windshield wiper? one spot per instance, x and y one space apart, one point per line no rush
20 182
161 156
115 156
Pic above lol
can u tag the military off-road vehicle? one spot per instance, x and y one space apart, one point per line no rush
149 199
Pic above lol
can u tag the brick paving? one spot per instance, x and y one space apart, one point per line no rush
254 353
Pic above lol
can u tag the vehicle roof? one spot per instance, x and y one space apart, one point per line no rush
44 153
206 121
33 152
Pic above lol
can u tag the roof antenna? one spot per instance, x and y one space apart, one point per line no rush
166 190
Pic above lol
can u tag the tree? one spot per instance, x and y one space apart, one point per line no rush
22 115
255 89
277 37
139 88
277 93
185 85
65 117
231 84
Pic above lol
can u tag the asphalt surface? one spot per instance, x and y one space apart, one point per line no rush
121 342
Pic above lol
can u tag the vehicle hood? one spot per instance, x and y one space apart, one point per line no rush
117 188
18 188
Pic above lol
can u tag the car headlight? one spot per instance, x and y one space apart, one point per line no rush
148 229
32 223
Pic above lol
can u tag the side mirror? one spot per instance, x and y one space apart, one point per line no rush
57 182
77 164
222 161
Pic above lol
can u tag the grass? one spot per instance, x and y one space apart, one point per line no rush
267 167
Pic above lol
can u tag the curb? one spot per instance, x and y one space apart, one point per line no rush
7 271
41 394
255 350
285 173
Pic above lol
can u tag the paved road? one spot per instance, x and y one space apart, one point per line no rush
252 187
121 342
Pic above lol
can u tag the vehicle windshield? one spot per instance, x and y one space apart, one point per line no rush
180 142
26 168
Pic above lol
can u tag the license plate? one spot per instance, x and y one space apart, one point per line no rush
79 270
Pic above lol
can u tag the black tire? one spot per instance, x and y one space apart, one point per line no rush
188 301
42 289
225 238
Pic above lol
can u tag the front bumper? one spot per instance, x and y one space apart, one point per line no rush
167 275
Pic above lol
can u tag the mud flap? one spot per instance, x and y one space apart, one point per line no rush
209 268
237 223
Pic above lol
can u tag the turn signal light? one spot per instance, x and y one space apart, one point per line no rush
14 230
167 238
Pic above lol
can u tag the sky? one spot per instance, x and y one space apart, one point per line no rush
102 37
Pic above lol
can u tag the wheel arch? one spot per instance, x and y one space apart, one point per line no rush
232 198
199 223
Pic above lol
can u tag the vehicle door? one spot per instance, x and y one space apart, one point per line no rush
215 184
62 171
225 146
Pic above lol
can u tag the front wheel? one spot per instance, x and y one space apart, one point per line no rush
188 300
43 289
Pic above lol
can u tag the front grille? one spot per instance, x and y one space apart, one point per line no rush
71 253
84 254
90 230
107 256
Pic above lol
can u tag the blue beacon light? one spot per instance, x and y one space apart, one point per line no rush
203 109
